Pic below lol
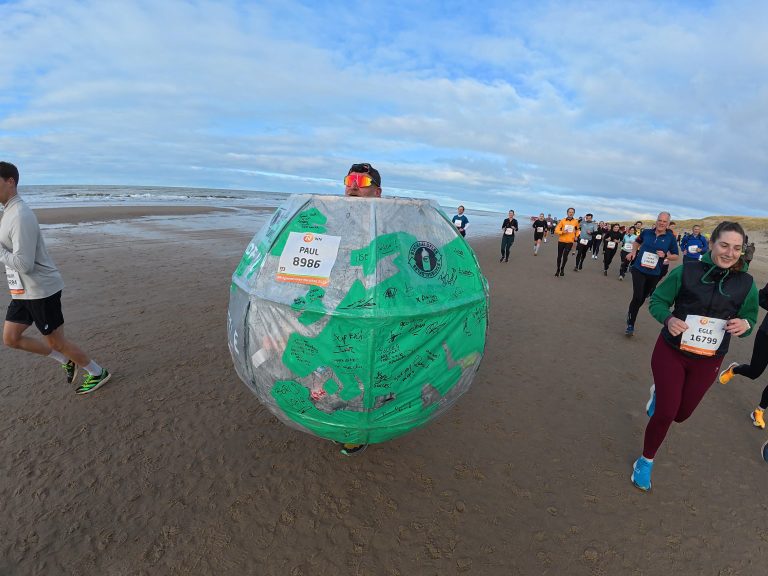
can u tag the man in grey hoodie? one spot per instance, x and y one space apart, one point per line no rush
35 285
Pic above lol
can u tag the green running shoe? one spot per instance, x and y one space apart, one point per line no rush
71 369
91 383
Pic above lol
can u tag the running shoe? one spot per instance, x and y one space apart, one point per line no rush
757 418
501 259
641 473
605 272
71 369
650 407
506 259
630 331
764 451
621 277
727 374
576 269
91 383
353 449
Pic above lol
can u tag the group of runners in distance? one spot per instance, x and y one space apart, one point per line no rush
701 305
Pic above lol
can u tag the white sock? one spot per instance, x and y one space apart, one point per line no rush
647 459
58 356
93 369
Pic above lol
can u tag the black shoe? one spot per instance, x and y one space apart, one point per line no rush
506 259
576 269
501 259
353 449
605 272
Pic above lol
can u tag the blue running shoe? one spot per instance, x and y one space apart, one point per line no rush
650 408
641 473
765 451
630 331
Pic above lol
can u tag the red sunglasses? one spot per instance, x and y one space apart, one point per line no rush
359 180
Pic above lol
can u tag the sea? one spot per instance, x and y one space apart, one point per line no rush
241 202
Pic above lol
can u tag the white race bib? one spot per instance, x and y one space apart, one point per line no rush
308 258
649 260
599 237
692 249
704 335
457 223
627 247
14 281
611 245
568 228
583 241
509 231
539 228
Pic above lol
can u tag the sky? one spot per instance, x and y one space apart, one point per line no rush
622 109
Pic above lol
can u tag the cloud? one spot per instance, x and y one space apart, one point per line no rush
635 105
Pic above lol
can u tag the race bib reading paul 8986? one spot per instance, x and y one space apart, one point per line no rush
308 258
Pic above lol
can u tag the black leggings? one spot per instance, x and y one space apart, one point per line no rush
608 255
581 254
563 248
757 364
506 243
596 247
624 263
642 286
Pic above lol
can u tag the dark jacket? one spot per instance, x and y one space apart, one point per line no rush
699 287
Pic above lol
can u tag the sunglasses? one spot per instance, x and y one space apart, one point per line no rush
359 180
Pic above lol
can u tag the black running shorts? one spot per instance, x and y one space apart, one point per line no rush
44 312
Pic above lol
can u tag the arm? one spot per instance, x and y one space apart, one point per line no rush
664 296
23 235
748 313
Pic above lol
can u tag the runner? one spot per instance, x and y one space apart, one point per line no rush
626 248
712 299
756 365
550 227
597 238
648 252
508 229
567 230
539 233
588 227
36 285
694 245
612 240
460 221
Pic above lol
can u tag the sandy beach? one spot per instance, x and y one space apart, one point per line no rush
175 468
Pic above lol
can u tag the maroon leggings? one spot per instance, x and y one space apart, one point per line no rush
681 382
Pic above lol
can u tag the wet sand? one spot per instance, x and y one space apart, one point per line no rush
175 468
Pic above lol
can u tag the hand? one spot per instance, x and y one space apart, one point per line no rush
736 326
661 253
676 326
630 257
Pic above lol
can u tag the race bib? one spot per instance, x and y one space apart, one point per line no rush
599 237
627 247
704 335
457 223
308 258
568 228
14 281
611 245
692 249
509 231
583 241
649 260
540 229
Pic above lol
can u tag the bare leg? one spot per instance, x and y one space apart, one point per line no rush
13 337
58 342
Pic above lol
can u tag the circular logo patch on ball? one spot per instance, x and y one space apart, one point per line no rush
425 259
